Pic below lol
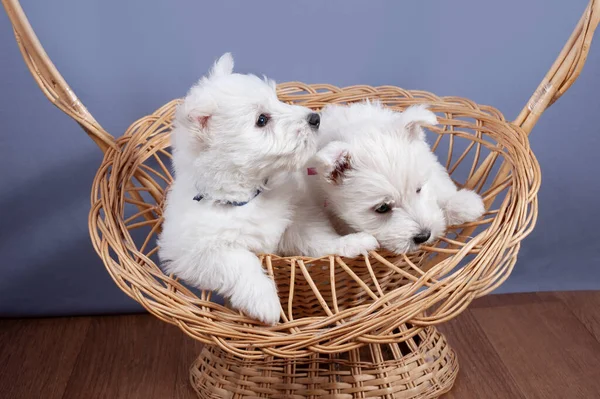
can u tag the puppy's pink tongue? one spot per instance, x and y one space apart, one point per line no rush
311 171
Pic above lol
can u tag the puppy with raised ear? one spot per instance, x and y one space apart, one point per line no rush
376 174
235 146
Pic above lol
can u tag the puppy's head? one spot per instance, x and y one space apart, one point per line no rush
240 122
378 180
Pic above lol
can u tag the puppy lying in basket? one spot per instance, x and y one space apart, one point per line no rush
377 174
236 153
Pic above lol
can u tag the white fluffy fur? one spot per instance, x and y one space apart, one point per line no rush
370 155
220 153
312 234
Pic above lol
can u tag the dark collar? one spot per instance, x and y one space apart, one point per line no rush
200 197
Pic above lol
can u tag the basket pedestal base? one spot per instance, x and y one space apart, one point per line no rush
422 367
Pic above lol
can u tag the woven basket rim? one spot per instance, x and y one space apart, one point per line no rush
241 336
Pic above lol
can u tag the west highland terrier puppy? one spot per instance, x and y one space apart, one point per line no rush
376 174
235 148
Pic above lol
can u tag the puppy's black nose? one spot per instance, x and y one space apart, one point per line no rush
422 237
314 120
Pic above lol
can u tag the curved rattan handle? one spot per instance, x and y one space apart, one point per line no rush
564 71
560 77
49 79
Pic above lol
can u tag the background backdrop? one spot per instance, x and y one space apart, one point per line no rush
126 58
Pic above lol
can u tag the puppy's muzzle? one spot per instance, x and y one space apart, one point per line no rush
314 120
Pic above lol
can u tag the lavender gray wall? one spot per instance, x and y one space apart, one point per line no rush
126 58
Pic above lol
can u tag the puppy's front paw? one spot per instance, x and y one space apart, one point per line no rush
463 207
258 299
353 245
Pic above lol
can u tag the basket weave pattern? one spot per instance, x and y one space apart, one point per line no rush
423 367
330 304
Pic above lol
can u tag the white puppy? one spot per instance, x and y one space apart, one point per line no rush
234 146
376 174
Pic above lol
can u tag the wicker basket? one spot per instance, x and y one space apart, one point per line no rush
350 328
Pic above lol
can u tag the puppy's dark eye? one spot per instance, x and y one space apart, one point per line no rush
418 190
383 208
262 120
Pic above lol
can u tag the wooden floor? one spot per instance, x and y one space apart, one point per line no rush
509 346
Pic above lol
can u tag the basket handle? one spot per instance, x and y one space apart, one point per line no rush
54 87
560 77
564 71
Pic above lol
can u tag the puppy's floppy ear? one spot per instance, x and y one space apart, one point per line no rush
414 117
222 67
200 115
196 110
334 161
